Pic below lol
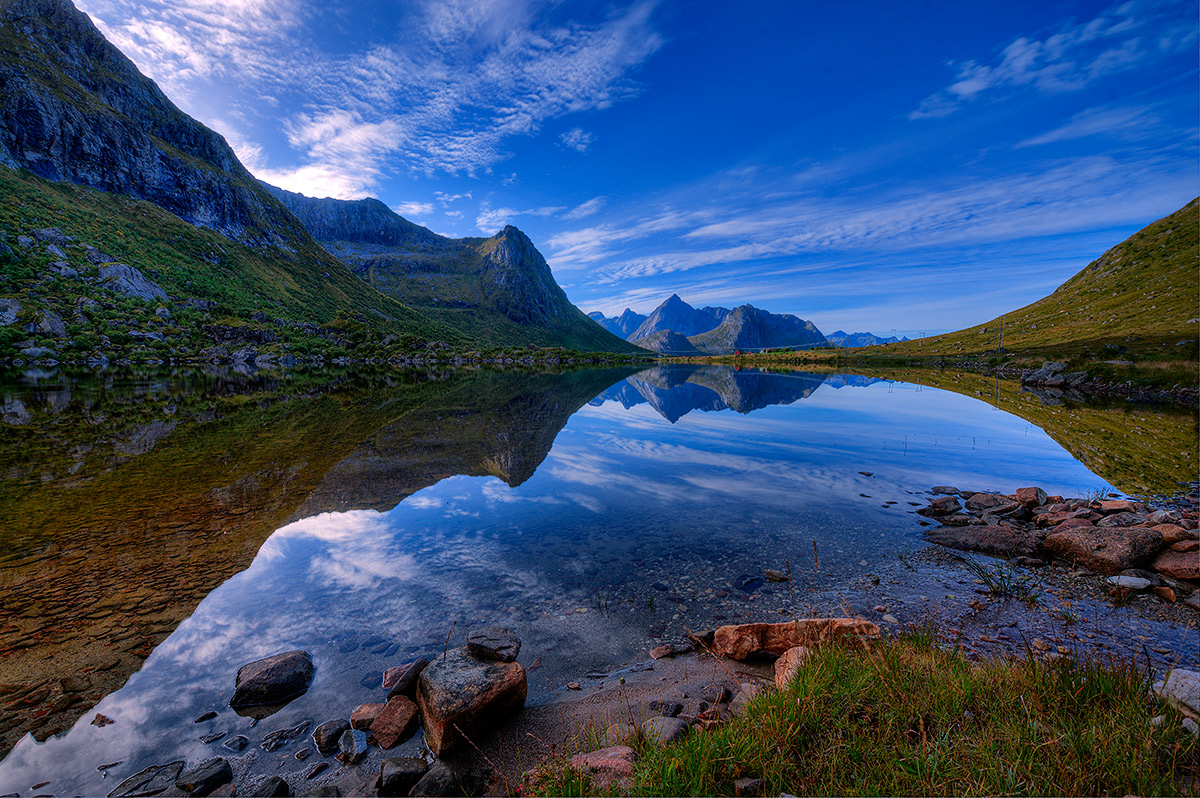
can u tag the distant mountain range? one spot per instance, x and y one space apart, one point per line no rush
109 192
851 340
676 328
622 326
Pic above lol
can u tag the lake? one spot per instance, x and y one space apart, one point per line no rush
162 528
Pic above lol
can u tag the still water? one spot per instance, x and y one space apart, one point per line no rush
160 530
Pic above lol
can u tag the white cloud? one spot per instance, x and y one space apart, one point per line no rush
1115 41
449 199
489 220
414 209
585 209
577 139
1127 122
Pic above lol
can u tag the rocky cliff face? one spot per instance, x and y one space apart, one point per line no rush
75 109
677 315
499 287
749 328
668 342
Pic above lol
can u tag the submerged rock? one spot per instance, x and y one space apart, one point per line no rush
1003 539
399 775
273 680
205 777
494 642
458 693
151 781
274 787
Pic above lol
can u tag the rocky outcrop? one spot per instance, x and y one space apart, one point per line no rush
676 315
747 328
74 108
457 693
773 639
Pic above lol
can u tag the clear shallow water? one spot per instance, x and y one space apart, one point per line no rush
650 509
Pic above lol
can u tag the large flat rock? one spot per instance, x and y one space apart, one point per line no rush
459 694
1105 550
773 639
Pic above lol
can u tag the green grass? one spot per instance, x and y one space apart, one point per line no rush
908 718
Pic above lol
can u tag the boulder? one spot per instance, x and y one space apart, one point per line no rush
788 665
400 774
1173 533
664 730
1031 497
363 714
457 693
1186 545
1105 550
273 680
1002 539
205 777
402 679
1128 582
124 279
326 735
440 780
610 769
1178 564
395 723
1181 689
352 747
1164 517
494 642
1121 519
945 490
983 501
1048 370
10 308
943 505
151 781
1121 506
753 639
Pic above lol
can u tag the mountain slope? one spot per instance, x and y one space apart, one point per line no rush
677 315
621 326
667 342
749 328
497 288
129 207
1142 295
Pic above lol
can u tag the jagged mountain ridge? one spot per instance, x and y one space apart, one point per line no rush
676 315
621 326
749 328
500 287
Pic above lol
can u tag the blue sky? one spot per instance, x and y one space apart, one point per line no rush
909 166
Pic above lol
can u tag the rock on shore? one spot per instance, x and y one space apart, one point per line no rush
773 639
457 693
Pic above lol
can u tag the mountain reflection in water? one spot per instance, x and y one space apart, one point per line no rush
174 526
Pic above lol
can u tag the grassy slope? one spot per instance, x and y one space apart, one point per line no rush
307 286
908 718
1143 295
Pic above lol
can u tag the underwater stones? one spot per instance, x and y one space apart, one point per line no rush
205 777
150 781
459 692
494 642
397 776
273 680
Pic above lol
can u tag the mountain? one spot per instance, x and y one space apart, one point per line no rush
1142 296
675 314
850 340
667 342
621 326
749 328
499 289
118 209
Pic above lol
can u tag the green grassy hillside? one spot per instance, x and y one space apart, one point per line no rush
306 285
1141 297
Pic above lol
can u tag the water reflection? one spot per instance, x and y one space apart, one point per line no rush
199 521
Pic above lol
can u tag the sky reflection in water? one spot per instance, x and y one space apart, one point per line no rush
654 496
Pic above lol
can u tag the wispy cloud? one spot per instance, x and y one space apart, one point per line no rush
1125 122
577 139
1119 39
585 209
491 219
417 210
459 79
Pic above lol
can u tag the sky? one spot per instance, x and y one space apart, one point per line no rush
908 166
